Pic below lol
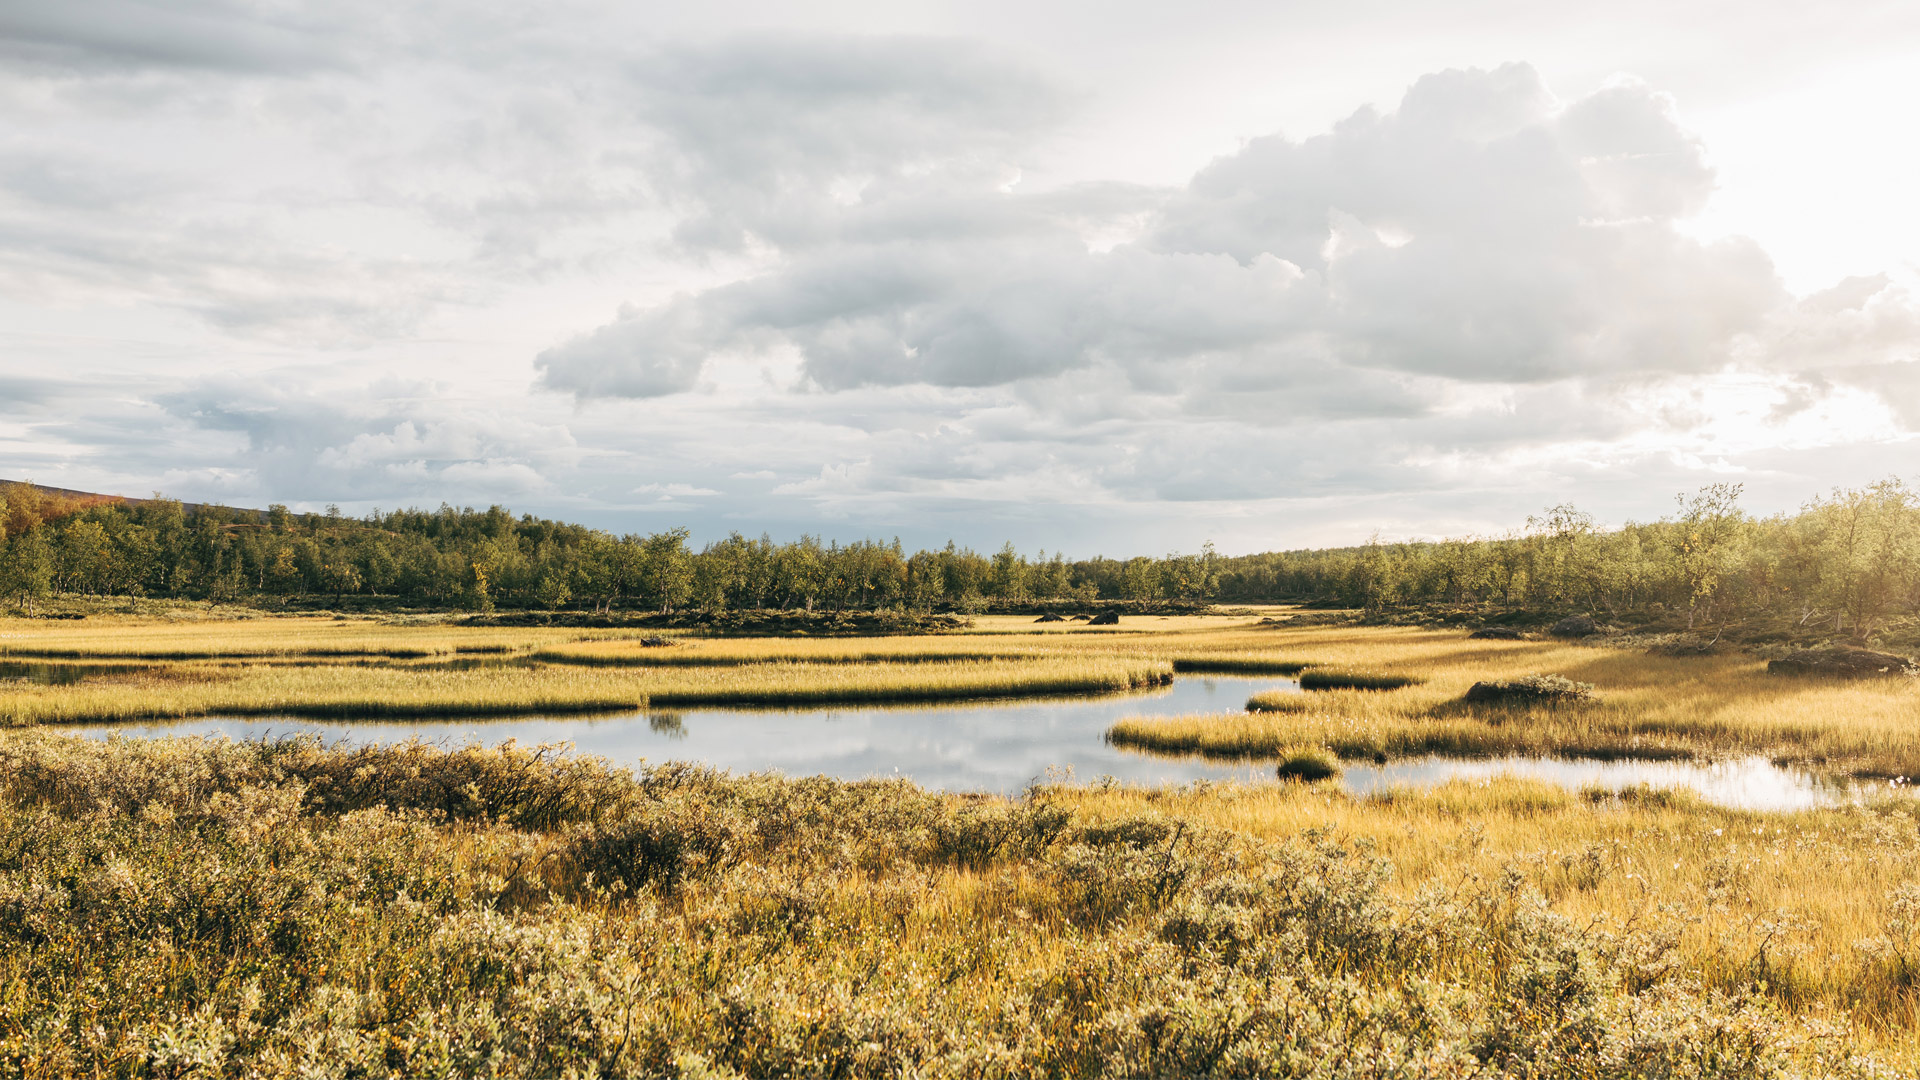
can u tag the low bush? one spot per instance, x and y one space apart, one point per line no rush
190 908
1530 690
1307 763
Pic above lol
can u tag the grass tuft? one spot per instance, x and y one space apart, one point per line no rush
1307 763
1349 679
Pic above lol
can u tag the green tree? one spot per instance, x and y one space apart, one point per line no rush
28 569
667 569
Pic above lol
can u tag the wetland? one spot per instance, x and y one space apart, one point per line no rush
1060 848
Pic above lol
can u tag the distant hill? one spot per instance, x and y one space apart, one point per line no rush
93 498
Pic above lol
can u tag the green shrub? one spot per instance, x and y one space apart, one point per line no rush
1307 763
1530 690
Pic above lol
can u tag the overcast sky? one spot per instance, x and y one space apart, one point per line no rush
1103 277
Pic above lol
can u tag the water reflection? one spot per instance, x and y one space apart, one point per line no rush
1751 783
997 746
1003 746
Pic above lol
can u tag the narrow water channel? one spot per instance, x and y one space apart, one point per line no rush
1003 746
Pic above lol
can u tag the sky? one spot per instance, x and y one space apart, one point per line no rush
1115 277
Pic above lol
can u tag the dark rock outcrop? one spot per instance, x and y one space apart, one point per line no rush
1575 626
1051 617
1105 618
1842 662
1497 633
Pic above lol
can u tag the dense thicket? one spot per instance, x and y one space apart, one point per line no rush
1850 560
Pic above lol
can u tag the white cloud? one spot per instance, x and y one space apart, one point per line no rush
313 253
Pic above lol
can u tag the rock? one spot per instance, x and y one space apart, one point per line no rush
1050 617
1842 662
1497 633
1530 690
1105 618
1575 626
1079 618
655 642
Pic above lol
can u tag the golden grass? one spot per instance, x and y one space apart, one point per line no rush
1807 898
170 639
724 652
1809 905
776 927
1647 706
337 690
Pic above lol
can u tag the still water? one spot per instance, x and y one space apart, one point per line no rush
1002 746
973 746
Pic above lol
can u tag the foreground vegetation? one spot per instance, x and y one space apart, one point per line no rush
213 909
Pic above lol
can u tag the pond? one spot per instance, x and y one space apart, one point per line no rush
1003 746
999 746
1750 783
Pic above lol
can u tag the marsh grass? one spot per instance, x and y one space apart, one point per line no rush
1817 906
1238 665
1348 679
290 636
191 907
1649 706
357 690
1307 763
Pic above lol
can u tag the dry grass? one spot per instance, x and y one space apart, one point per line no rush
290 636
340 690
1814 905
1649 706
196 907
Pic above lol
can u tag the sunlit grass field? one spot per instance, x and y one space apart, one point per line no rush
203 688
276 907
196 907
291 636
1821 908
1646 706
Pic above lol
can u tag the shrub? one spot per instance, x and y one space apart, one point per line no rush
1530 690
1307 763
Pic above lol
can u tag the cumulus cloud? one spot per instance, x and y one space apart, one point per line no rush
1481 231
852 285
385 441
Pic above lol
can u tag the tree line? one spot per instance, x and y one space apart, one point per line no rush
1851 557
479 559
